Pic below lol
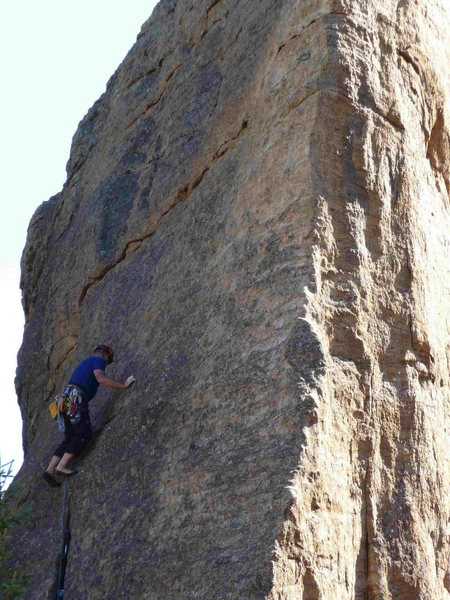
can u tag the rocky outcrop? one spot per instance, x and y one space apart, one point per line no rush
256 217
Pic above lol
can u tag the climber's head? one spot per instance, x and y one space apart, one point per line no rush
106 351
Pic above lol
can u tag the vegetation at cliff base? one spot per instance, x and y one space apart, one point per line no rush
12 583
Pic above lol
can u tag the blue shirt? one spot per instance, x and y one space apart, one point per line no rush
84 375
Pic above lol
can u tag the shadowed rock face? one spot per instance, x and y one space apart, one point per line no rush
256 217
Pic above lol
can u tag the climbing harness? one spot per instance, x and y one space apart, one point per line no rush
67 404
74 400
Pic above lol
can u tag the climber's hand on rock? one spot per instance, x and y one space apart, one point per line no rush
130 381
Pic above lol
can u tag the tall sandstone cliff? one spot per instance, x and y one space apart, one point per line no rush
256 216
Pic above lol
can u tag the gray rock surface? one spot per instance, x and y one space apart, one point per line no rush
256 218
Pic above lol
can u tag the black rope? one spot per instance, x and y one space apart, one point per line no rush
65 543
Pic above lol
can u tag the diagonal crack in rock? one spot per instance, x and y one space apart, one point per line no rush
180 196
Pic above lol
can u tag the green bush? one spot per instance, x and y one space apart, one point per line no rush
12 583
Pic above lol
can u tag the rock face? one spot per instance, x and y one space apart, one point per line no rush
256 217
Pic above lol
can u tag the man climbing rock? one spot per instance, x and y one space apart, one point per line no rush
82 387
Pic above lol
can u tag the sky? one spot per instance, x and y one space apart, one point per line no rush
56 57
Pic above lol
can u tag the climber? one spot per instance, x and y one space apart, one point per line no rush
81 389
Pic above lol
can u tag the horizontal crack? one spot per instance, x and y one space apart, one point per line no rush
180 196
295 36
211 6
134 244
158 99
321 17
140 77
297 104
219 152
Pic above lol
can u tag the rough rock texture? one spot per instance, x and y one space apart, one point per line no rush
256 216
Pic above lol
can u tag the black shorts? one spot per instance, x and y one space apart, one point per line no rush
76 436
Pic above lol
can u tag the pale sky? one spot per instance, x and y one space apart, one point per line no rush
56 57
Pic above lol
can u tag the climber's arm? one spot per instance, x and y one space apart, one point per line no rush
103 379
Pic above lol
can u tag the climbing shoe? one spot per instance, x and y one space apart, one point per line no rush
65 471
50 479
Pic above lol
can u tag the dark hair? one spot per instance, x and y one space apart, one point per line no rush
106 348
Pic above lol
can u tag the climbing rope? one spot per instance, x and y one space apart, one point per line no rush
65 542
